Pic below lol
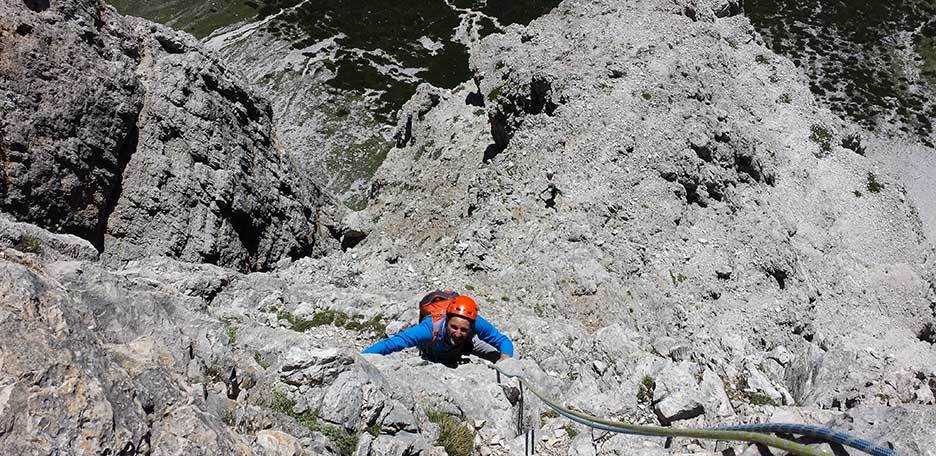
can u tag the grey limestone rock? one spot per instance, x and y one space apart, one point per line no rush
129 135
677 395
29 238
277 443
634 168
632 193
70 102
101 385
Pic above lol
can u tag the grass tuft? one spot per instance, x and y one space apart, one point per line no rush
231 332
823 137
645 389
454 435
29 244
344 441
873 185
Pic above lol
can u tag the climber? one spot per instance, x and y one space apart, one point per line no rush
449 328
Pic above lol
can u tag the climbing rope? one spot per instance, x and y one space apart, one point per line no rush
754 433
818 432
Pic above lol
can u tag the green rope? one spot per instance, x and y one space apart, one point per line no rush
666 431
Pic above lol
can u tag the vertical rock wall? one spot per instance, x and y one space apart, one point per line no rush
127 134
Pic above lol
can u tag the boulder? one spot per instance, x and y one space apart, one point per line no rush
277 443
677 395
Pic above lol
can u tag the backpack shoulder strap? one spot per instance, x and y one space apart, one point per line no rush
437 327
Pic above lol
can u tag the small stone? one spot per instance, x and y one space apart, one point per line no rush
924 395
599 366
676 395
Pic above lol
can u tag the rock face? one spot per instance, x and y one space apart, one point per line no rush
127 134
649 203
654 168
70 107
80 383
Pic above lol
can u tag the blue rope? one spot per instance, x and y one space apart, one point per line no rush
819 432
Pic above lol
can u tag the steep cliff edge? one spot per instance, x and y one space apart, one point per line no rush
129 135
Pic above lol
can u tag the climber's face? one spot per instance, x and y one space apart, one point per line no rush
457 329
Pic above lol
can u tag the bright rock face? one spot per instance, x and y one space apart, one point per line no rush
649 203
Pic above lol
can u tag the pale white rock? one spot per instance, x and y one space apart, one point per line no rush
278 443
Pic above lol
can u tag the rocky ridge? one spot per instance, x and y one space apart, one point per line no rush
649 203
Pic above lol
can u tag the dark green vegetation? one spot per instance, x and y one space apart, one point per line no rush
199 18
645 389
379 39
873 185
823 138
855 57
758 398
454 435
29 244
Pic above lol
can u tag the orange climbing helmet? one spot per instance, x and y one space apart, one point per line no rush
463 306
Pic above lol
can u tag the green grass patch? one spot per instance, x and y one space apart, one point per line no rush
375 326
873 185
281 403
29 244
823 138
232 335
259 359
496 92
677 278
454 435
296 323
345 442
645 390
758 398
570 430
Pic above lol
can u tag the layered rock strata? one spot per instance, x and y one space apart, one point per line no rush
129 135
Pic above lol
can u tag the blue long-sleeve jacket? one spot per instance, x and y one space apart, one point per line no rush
421 334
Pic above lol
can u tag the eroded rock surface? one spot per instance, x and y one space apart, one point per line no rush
129 135
649 203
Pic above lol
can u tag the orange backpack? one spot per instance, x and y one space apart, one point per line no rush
435 303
